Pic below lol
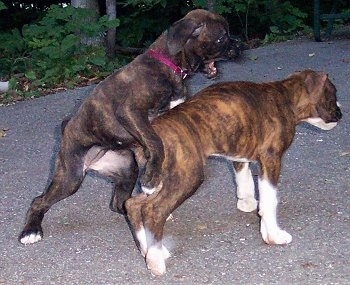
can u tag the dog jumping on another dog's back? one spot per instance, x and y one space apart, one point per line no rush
115 115
244 122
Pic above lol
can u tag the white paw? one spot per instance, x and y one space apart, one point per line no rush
247 205
141 237
277 236
32 238
155 261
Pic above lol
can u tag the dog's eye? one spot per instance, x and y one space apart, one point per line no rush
221 39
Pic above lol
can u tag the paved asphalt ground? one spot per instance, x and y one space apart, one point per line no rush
210 240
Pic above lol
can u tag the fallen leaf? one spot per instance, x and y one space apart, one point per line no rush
308 265
202 227
3 133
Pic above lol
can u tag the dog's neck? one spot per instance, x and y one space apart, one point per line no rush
178 59
161 57
301 104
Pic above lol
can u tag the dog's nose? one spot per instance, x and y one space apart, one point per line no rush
235 49
338 113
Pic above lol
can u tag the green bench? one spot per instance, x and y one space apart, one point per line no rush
330 17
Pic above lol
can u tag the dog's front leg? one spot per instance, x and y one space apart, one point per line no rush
179 96
137 124
270 231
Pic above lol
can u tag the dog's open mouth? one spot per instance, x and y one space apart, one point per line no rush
210 69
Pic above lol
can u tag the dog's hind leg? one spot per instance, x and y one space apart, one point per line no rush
155 212
245 187
124 182
154 216
121 167
133 209
270 231
141 235
67 179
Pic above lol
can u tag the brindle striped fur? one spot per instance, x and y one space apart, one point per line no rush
243 121
116 114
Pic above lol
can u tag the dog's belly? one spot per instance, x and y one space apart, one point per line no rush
106 161
233 158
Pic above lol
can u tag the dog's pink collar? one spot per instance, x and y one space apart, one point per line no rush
163 59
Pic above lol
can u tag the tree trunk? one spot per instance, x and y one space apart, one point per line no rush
111 10
93 6
88 4
211 5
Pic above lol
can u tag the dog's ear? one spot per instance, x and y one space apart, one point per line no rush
180 32
315 81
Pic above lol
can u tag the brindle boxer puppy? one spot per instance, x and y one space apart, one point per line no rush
244 122
115 115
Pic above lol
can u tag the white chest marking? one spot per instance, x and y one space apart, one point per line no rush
319 123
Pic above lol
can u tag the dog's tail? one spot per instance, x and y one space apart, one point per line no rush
64 124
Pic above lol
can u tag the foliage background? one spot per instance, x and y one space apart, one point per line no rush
40 46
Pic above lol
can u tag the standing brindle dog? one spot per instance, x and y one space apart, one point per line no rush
116 114
244 122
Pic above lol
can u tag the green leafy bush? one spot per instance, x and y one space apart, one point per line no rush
2 6
260 17
50 53
142 21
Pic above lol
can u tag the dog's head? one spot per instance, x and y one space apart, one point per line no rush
202 37
322 108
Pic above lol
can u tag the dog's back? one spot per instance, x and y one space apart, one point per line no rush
231 118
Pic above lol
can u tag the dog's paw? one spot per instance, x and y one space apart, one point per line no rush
247 205
150 191
276 236
155 260
30 236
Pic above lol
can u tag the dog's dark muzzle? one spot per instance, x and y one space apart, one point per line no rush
234 49
338 113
